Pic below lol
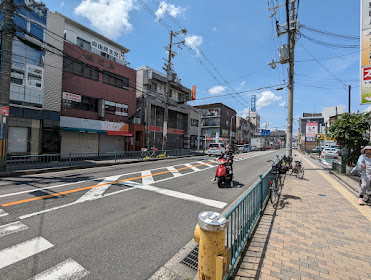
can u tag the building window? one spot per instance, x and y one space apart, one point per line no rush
227 113
115 80
17 74
80 68
171 93
34 76
194 122
37 31
83 44
227 123
154 87
86 103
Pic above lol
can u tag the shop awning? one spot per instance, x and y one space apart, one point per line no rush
119 133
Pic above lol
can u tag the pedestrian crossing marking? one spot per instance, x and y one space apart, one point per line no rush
23 250
193 167
3 213
67 270
147 178
12 228
173 171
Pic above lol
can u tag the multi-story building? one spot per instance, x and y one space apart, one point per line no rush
218 123
98 94
35 83
255 119
244 131
183 120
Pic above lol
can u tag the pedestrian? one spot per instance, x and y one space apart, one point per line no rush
364 161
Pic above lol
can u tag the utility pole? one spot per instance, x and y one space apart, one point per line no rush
291 29
169 72
350 88
6 64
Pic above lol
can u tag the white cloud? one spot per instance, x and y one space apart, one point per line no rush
170 8
216 90
245 113
110 17
283 103
266 99
194 42
62 4
214 29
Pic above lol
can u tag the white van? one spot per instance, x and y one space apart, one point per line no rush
216 149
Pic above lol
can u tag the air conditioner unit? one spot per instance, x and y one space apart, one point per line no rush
137 120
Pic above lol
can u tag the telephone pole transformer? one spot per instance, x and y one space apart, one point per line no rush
170 75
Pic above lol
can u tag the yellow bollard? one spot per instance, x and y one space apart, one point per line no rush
213 255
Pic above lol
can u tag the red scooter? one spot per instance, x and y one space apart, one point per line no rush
224 172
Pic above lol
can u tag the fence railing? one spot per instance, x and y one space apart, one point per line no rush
244 216
27 162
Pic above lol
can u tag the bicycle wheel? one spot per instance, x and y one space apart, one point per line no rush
274 194
300 174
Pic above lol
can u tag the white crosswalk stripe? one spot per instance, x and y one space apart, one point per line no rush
3 213
23 250
180 195
194 168
173 171
147 179
98 192
205 164
12 228
67 270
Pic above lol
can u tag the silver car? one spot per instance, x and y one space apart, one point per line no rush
216 149
330 153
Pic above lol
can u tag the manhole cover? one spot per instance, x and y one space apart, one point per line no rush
191 260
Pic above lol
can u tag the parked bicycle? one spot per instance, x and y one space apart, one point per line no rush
148 153
277 181
298 169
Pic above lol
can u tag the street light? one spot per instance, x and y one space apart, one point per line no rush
230 130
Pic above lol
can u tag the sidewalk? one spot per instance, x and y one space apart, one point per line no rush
318 231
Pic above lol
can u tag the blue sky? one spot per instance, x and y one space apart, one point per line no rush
235 41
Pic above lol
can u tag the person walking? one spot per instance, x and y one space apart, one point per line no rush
364 161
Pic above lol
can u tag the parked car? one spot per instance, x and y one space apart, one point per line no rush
330 153
242 148
216 149
254 148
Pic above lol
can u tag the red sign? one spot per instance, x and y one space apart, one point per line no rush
367 73
5 111
193 92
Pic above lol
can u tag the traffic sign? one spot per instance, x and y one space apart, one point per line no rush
266 132
5 111
319 136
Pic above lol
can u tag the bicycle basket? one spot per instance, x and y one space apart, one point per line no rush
282 169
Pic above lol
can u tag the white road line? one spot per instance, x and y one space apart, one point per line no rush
3 213
23 250
12 228
194 168
173 171
67 270
206 164
148 179
98 192
184 196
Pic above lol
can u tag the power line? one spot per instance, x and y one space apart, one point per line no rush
330 34
328 44
332 74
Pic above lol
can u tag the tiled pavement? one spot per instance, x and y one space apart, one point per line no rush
316 232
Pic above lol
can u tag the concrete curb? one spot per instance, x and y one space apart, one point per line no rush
66 168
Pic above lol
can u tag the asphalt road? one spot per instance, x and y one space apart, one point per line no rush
64 224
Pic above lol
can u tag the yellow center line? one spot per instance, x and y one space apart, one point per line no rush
94 186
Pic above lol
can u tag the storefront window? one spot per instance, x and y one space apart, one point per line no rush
18 140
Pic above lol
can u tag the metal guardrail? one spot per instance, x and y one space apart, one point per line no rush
244 216
28 162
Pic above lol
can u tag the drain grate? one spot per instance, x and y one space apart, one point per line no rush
191 260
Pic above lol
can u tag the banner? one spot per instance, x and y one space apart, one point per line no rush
365 52
193 92
311 131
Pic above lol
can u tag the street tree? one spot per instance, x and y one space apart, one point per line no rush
349 131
